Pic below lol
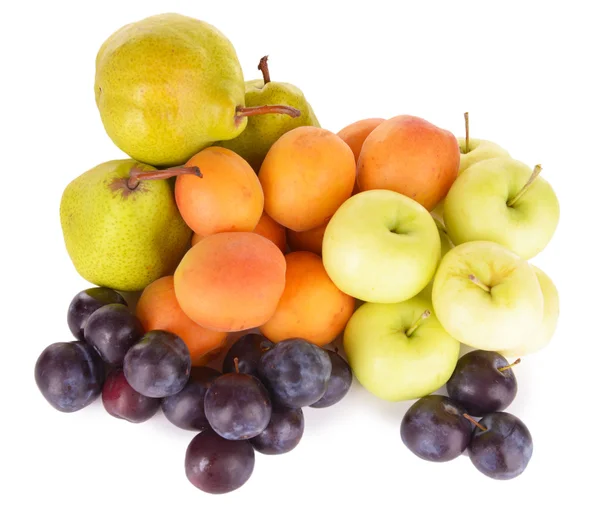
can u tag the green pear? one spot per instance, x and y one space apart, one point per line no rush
121 225
261 132
170 85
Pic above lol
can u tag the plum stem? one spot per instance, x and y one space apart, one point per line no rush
426 314
236 363
504 368
467 149
250 111
263 67
534 175
473 421
477 282
137 175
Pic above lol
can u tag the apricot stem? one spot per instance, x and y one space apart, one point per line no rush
137 175
250 111
504 368
426 314
467 132
534 175
473 421
477 282
264 68
236 363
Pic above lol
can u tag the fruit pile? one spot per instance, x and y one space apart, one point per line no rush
238 217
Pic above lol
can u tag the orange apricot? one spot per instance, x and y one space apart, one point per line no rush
356 133
227 198
272 230
158 309
230 281
311 306
309 240
307 174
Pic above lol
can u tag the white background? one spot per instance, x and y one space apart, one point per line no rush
528 74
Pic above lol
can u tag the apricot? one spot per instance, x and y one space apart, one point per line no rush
231 281
311 306
410 156
227 198
307 174
355 134
158 309
309 240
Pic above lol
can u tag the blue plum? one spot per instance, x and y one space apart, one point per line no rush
339 383
247 350
85 303
123 402
283 433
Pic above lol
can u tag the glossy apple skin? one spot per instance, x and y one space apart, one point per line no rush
496 320
381 246
391 365
476 207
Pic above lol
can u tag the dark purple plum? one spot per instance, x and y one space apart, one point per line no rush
69 375
283 432
186 408
85 303
483 382
248 350
124 402
112 330
216 465
296 372
339 383
435 429
237 406
504 449
159 365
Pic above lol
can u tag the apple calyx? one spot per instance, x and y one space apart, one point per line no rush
467 149
504 368
534 175
264 68
137 175
473 421
478 282
251 111
236 363
426 314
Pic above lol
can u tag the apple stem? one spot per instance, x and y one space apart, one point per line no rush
264 68
473 421
439 224
504 368
236 363
251 111
137 175
534 175
426 314
477 282
466 132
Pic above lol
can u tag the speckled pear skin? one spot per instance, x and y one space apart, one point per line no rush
119 238
167 87
264 130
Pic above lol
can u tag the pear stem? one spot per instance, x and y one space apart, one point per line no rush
504 368
426 314
137 175
250 111
236 363
477 282
473 421
467 150
534 175
263 67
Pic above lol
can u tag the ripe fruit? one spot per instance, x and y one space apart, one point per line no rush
85 303
296 372
158 309
247 350
483 382
270 229
123 402
410 156
159 365
435 429
69 375
227 198
356 133
308 240
216 465
339 383
311 306
504 449
308 173
283 433
112 330
231 281
381 246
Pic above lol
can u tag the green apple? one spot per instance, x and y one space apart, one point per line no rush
400 351
503 201
543 336
487 297
447 245
381 246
